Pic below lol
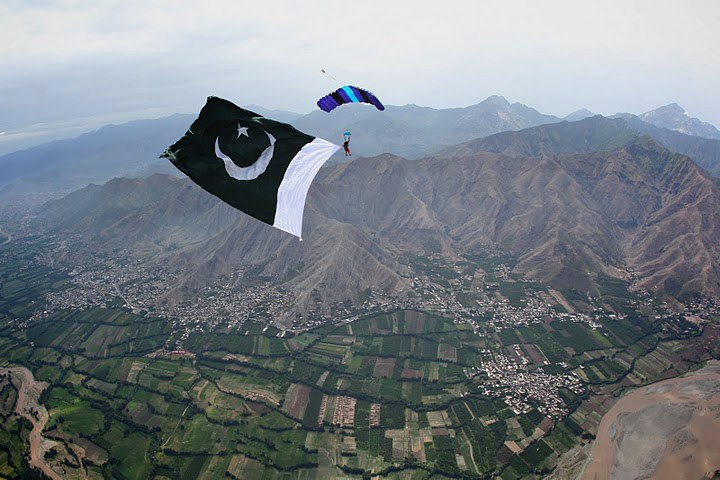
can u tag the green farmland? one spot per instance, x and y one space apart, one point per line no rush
403 394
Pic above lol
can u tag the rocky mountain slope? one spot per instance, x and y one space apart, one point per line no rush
59 167
132 149
567 214
705 151
597 133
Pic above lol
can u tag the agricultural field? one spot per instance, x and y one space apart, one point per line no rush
402 394
395 396
385 394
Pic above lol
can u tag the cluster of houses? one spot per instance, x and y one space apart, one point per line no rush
523 388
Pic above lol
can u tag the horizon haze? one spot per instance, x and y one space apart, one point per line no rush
512 271
69 67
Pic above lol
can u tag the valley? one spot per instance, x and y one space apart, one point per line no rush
486 374
473 314
197 281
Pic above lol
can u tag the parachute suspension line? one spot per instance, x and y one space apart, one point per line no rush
329 75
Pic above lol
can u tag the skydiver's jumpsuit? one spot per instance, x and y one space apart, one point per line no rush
346 146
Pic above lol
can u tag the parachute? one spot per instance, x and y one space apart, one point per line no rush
348 94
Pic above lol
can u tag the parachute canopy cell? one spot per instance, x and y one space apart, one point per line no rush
348 94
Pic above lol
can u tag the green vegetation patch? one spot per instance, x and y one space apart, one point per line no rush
72 415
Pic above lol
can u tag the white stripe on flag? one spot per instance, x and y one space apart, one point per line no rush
296 183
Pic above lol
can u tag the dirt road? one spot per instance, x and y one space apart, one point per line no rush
8 237
27 406
561 300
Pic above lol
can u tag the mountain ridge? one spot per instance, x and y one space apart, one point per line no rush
597 133
54 169
567 218
132 149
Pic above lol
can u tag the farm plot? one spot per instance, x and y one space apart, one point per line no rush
296 400
265 392
328 352
384 367
447 352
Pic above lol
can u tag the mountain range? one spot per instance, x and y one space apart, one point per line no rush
598 133
59 167
571 201
132 149
412 132
705 151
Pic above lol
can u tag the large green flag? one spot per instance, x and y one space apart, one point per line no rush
258 165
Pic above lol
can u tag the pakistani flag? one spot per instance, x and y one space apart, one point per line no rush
257 165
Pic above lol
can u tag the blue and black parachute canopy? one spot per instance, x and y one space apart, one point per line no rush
348 94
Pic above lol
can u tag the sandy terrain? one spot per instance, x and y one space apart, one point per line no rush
667 430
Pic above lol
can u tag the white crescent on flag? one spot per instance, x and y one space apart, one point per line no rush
251 172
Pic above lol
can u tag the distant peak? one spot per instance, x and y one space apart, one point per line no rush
671 108
496 100
579 115
413 106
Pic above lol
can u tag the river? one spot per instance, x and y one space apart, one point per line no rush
667 430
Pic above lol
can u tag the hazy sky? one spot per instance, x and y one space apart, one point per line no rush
71 66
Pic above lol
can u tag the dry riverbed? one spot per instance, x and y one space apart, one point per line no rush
668 430
27 406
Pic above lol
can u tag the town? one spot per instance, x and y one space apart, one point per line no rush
469 298
518 385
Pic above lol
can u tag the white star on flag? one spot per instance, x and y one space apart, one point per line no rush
242 131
